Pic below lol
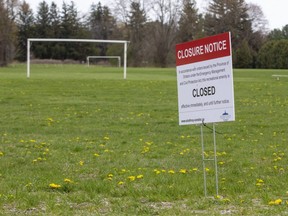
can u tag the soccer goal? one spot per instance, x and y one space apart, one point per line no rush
30 40
104 57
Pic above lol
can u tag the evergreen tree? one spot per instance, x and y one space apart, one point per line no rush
42 30
229 15
190 22
55 20
43 22
274 54
70 25
101 24
277 34
243 56
136 24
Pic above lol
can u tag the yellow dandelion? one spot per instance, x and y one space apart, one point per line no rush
120 183
260 181
183 171
278 201
207 169
139 176
81 163
68 180
132 178
157 171
171 171
123 171
54 186
96 155
106 138
195 169
1 153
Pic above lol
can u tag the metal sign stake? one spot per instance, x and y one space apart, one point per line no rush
214 159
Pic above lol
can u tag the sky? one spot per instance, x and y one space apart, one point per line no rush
275 11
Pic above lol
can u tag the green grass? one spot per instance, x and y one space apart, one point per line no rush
119 144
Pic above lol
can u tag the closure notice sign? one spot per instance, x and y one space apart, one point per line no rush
205 80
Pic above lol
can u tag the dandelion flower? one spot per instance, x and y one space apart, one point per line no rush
275 202
68 180
139 176
1 153
54 186
81 163
120 183
278 201
171 171
183 171
157 171
132 178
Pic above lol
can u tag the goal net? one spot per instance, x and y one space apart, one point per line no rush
103 57
30 40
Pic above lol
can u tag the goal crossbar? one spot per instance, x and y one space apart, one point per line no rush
30 40
104 57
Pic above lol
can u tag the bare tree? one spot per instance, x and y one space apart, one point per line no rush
259 22
163 31
7 30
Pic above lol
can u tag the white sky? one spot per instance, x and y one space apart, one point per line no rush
275 11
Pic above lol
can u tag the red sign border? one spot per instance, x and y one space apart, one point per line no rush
202 55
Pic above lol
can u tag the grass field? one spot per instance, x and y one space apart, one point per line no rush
83 141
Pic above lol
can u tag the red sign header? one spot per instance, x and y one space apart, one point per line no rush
216 46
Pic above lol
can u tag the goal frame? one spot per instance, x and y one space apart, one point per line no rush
103 57
30 40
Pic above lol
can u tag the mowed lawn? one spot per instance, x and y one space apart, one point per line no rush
83 141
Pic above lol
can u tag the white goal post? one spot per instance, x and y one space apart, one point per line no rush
104 57
30 40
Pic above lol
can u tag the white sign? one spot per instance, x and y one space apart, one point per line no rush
205 80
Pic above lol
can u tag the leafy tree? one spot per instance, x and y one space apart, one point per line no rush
25 25
136 24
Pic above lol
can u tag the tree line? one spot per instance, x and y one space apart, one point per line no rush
153 28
